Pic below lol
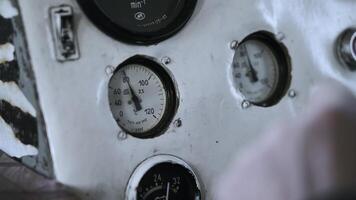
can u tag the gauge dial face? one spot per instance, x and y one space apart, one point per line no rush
142 15
163 177
255 71
140 100
260 71
139 21
168 181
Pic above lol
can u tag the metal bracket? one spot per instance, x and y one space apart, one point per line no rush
65 39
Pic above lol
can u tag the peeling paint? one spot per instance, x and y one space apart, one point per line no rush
7 10
7 53
11 145
10 92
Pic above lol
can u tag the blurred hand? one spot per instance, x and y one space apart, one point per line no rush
309 156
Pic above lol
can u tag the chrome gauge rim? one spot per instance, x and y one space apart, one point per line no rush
145 166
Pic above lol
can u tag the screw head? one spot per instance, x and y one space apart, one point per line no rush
166 60
292 93
280 36
109 69
245 104
178 123
121 136
234 44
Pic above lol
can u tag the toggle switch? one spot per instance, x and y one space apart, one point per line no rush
65 39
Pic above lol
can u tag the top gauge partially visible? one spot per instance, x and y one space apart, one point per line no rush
139 21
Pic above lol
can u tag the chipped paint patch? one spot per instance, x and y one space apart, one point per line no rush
7 10
11 145
7 53
11 93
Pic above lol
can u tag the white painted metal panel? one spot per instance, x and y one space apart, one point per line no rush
83 135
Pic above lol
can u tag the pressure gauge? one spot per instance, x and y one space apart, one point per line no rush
139 21
142 97
163 177
261 70
346 48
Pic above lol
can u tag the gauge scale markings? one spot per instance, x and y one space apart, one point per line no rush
163 177
139 22
143 98
261 71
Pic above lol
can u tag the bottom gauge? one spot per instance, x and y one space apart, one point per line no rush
163 177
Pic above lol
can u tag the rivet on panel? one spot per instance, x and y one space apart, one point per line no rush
280 36
109 69
178 123
121 136
166 60
246 104
234 44
292 94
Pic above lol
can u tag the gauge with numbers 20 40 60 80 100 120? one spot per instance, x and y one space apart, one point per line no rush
143 97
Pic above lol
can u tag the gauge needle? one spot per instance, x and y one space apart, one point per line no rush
167 193
252 74
134 97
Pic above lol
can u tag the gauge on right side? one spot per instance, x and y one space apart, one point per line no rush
261 69
346 48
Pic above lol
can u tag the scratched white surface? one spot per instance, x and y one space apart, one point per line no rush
83 134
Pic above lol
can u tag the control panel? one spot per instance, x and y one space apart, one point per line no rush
151 100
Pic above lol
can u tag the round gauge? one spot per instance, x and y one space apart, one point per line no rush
142 97
139 21
347 48
261 71
163 177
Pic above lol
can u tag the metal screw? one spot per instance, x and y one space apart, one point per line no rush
109 69
178 123
234 44
121 136
245 104
166 60
292 93
280 36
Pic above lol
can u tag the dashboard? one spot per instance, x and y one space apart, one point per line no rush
152 100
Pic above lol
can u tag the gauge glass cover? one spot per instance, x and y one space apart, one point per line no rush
142 16
142 97
256 71
163 177
260 70
139 21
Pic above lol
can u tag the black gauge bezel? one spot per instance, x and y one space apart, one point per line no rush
145 166
172 99
280 52
174 168
346 49
95 14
